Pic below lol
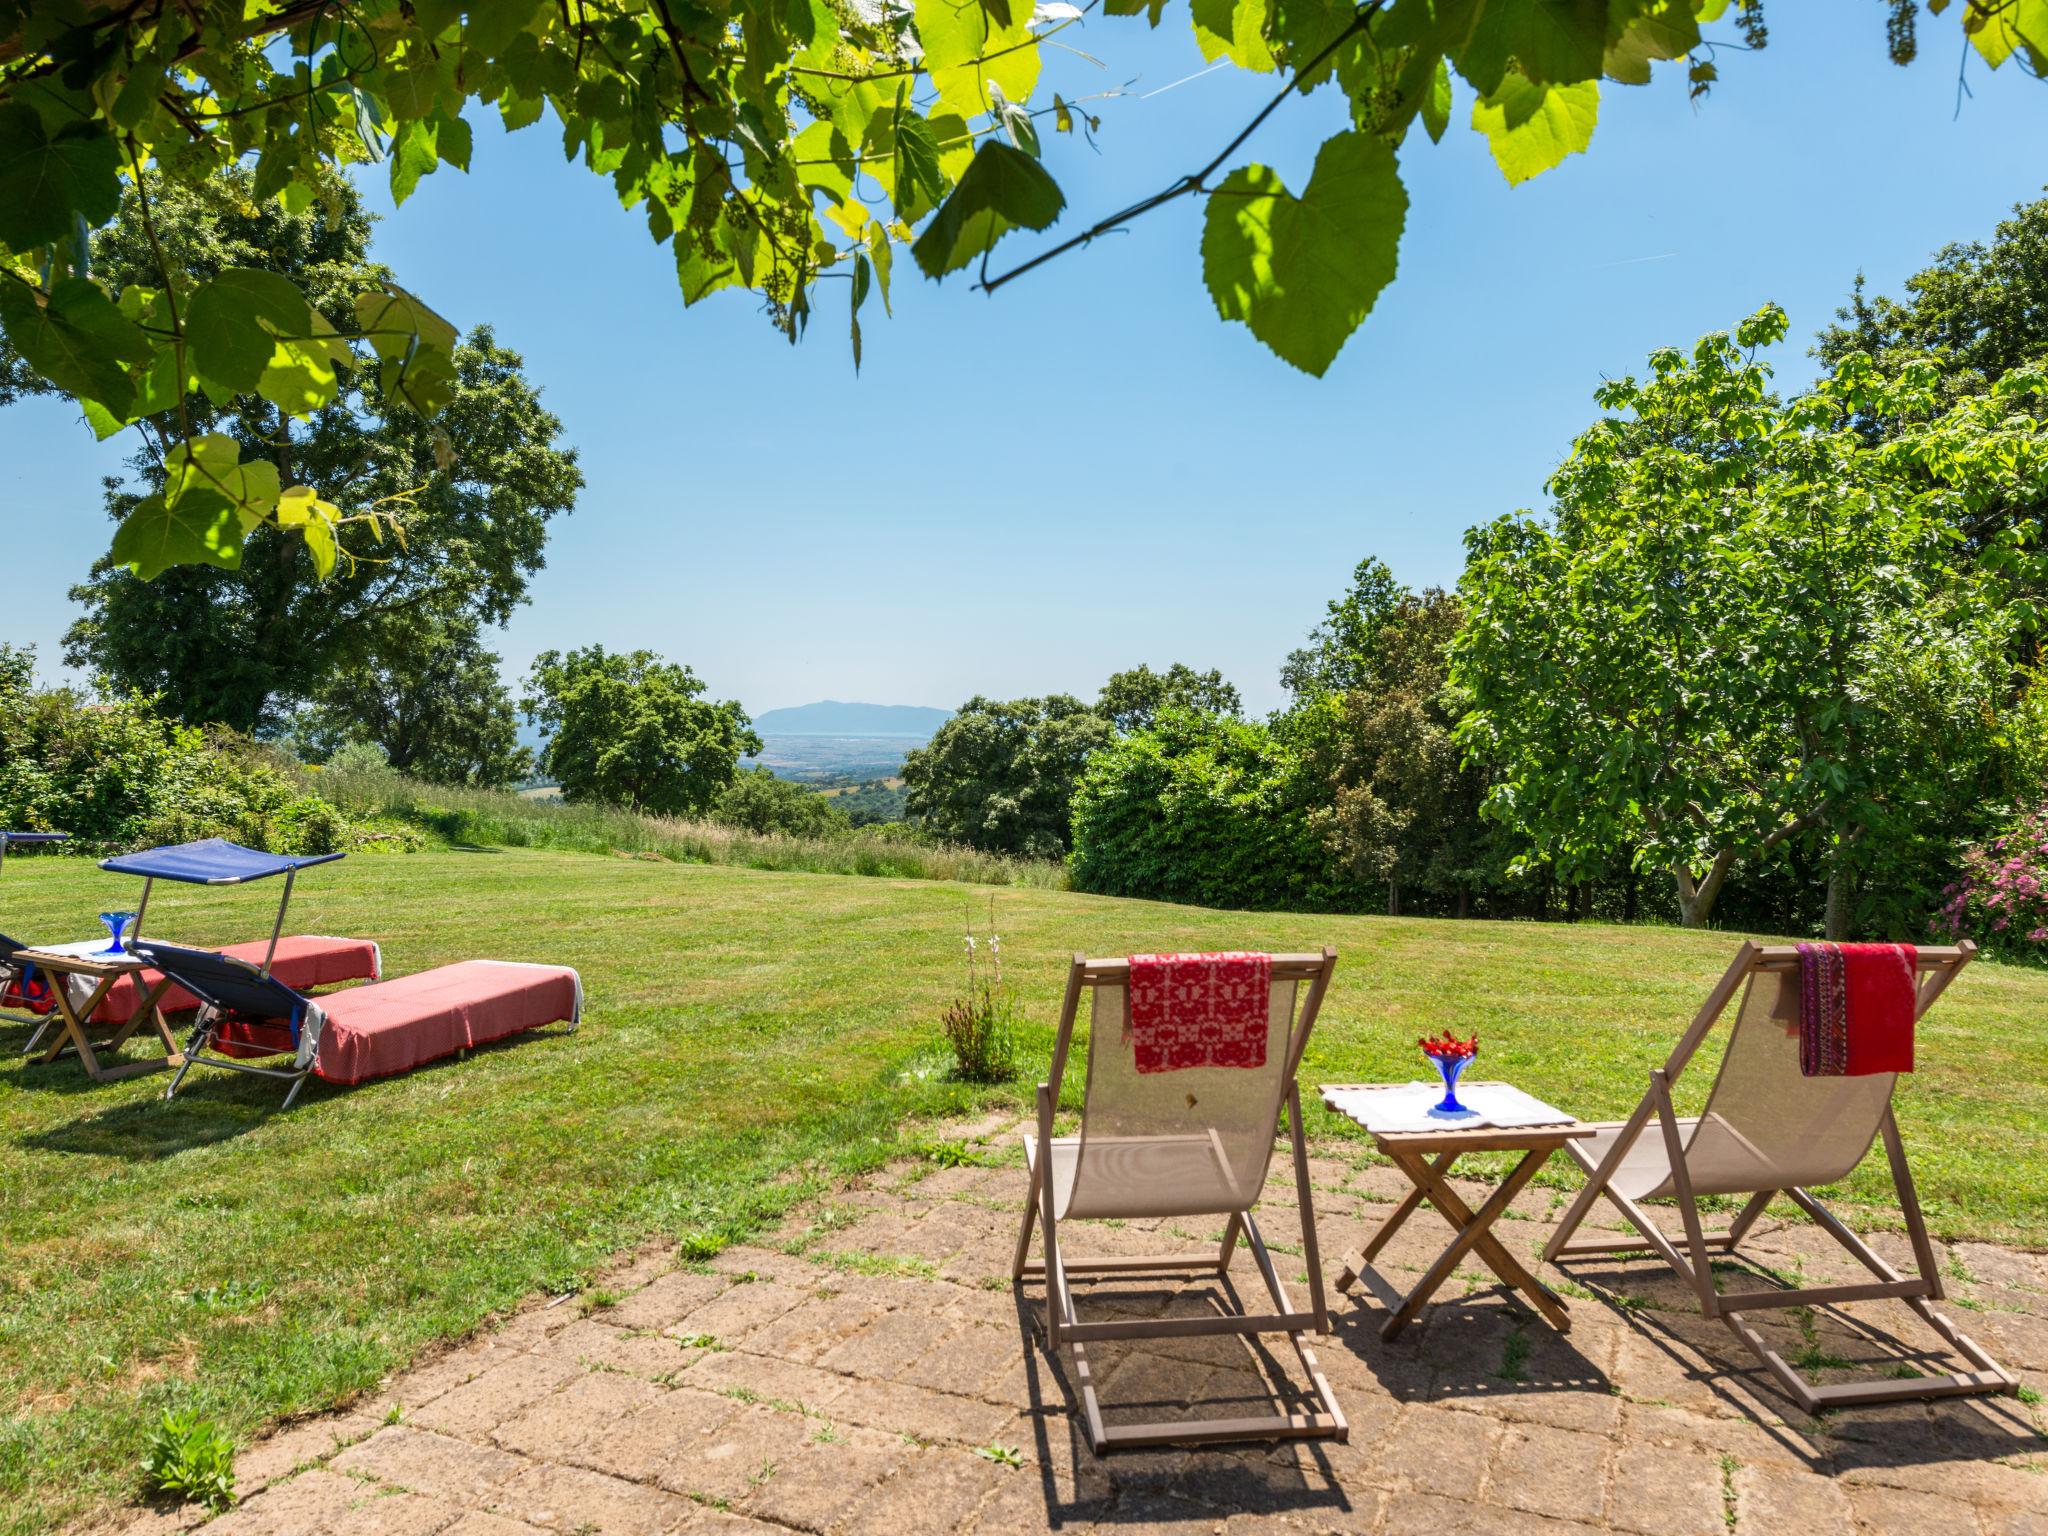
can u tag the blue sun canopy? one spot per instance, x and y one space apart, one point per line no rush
211 861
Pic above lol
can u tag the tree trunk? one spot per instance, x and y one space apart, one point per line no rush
1464 899
1629 907
1393 898
1836 927
1696 900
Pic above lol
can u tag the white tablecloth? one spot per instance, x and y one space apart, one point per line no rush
1412 1107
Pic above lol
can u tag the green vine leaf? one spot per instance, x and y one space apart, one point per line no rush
234 321
1666 29
1436 106
1531 128
1553 42
964 43
1303 272
210 466
1003 189
301 508
78 340
1233 30
203 529
415 346
48 181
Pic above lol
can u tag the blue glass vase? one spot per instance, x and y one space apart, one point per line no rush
1451 1067
116 922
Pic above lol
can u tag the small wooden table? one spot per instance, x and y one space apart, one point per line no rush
1426 1158
60 965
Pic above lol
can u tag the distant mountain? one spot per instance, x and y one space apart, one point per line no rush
832 718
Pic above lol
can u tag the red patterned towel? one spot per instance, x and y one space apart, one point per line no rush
1199 1010
1856 1008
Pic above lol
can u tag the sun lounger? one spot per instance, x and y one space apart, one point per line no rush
1768 1128
16 990
1179 1120
21 989
298 960
362 1032
304 961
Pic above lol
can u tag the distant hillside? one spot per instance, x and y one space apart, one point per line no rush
835 760
832 718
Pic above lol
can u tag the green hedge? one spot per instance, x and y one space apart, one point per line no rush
1206 810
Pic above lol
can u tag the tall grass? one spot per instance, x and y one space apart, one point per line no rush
499 818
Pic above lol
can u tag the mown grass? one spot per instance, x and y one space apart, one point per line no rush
503 819
751 1037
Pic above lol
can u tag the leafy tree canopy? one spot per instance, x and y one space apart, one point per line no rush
1131 700
628 728
1403 807
757 801
1000 776
1339 653
1745 624
751 137
430 696
453 517
1981 309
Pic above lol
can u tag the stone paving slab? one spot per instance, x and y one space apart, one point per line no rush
869 1368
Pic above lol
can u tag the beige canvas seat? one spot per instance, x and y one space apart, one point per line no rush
1766 1129
1190 1142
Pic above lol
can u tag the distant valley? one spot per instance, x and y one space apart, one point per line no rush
832 743
912 722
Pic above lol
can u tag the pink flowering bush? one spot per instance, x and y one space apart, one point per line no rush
2001 897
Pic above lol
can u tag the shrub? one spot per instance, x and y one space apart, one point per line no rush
2001 898
358 757
118 775
193 1458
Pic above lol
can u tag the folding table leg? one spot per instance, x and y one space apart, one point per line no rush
72 1032
1410 1203
1473 1231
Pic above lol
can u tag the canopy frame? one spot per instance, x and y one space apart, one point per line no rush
151 868
29 840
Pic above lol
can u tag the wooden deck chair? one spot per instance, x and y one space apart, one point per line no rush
1194 1142
1765 1130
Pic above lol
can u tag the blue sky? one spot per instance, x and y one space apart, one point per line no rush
1020 494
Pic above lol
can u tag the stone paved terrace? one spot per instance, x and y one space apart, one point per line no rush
857 1371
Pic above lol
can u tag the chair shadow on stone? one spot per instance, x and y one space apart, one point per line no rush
1219 1376
1826 1342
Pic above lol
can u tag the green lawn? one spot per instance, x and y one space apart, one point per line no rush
749 1035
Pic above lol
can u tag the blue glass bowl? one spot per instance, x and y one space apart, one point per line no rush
116 922
1451 1067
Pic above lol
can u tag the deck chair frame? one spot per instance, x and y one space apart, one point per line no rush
289 1003
1063 1325
1690 1253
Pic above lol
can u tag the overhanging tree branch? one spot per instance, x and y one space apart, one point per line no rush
1361 22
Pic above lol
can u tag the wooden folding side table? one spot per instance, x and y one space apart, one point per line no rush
1426 1158
74 1017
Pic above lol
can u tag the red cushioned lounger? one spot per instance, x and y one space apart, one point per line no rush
364 1032
304 961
